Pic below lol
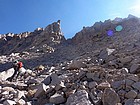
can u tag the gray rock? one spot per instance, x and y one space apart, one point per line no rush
76 65
132 102
57 99
110 97
9 102
79 98
138 96
129 82
131 94
92 85
125 60
47 80
136 86
40 90
133 77
134 68
55 79
117 84
90 75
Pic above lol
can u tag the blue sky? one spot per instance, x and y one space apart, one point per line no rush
18 16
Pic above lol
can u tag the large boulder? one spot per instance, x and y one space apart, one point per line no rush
110 97
6 74
79 98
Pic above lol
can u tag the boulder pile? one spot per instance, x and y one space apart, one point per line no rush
67 84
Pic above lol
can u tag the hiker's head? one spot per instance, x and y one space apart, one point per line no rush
16 61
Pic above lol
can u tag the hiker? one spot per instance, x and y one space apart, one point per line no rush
18 70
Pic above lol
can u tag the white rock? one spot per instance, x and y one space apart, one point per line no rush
6 74
57 99
21 102
10 89
110 51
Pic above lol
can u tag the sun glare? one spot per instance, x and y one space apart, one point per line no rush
135 8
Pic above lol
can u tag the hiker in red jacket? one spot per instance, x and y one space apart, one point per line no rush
17 67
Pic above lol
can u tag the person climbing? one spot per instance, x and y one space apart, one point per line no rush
18 70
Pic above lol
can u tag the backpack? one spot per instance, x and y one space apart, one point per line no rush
20 64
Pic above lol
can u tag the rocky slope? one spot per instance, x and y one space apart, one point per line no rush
92 68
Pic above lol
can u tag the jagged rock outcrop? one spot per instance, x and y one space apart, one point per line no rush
41 40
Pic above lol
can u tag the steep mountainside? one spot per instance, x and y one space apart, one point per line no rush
100 65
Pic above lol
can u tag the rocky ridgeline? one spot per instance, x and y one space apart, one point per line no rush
92 68
41 40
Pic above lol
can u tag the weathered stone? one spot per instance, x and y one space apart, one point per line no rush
9 102
40 90
121 93
90 75
134 68
21 102
6 74
131 94
55 79
103 85
79 98
57 99
76 65
133 77
47 80
92 85
117 84
129 82
110 97
125 60
32 81
136 86
132 102
95 100
40 67
138 96
59 86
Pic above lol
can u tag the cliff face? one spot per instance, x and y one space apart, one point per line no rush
41 40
